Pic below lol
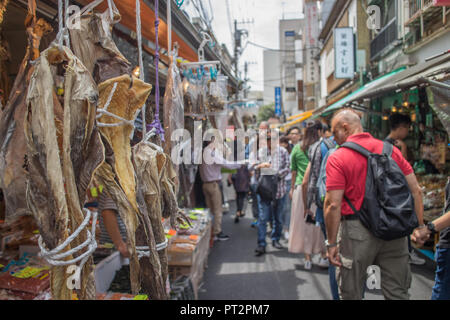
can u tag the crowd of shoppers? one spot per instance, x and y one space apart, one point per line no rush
319 203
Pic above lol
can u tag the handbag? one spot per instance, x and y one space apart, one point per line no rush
310 219
267 187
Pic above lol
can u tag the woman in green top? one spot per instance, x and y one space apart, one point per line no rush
303 237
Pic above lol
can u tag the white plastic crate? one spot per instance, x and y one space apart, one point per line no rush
106 269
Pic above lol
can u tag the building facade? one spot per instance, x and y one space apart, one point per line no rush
291 61
272 79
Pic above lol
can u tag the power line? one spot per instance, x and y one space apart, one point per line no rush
279 50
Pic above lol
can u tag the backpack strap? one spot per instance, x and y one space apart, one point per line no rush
351 205
388 148
328 143
356 147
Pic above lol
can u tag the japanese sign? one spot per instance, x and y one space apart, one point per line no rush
278 101
311 42
344 53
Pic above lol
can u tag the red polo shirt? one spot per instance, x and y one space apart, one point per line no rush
347 169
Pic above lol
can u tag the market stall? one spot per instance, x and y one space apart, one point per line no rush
104 119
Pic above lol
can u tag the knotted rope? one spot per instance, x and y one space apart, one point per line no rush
144 250
55 257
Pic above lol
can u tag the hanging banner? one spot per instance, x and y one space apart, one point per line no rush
278 101
312 42
344 53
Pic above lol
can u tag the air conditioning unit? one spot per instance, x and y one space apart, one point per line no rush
381 66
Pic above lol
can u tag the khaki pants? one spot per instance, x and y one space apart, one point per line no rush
213 198
359 249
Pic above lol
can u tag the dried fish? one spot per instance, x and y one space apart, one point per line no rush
12 139
129 96
92 42
148 168
58 177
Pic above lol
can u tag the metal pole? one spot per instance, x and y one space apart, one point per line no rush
169 26
236 57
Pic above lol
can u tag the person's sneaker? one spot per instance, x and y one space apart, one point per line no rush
308 265
221 237
323 263
254 223
236 218
276 244
415 259
260 251
225 207
286 235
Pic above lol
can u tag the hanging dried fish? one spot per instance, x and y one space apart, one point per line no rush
173 105
58 175
12 139
128 94
92 42
149 165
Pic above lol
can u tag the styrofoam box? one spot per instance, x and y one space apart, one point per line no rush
106 269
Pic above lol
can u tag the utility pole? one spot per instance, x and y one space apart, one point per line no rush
238 33
237 44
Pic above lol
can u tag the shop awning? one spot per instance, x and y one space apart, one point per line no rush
127 9
367 88
300 118
431 76
430 72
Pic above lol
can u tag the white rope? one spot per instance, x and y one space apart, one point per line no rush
66 30
53 256
90 6
111 14
144 250
141 63
59 36
150 134
169 25
103 111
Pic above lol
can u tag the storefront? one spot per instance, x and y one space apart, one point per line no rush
54 230
423 93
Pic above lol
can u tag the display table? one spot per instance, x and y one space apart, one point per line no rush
188 253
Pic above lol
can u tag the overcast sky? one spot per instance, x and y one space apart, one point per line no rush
264 30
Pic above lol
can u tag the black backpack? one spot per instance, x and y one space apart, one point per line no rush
388 206
267 187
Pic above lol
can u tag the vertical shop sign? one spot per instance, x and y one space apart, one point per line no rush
311 42
344 53
277 101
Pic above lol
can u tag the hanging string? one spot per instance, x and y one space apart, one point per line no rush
66 16
59 36
156 123
111 14
141 63
169 27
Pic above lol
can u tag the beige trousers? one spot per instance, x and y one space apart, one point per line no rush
213 198
359 249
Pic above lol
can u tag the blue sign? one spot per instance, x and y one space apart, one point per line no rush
277 101
289 33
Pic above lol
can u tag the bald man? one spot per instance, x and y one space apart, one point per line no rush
352 247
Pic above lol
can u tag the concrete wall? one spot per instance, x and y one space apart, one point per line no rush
436 46
288 73
272 78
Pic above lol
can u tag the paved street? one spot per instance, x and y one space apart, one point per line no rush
234 273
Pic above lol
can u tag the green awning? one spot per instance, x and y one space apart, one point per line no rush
366 88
